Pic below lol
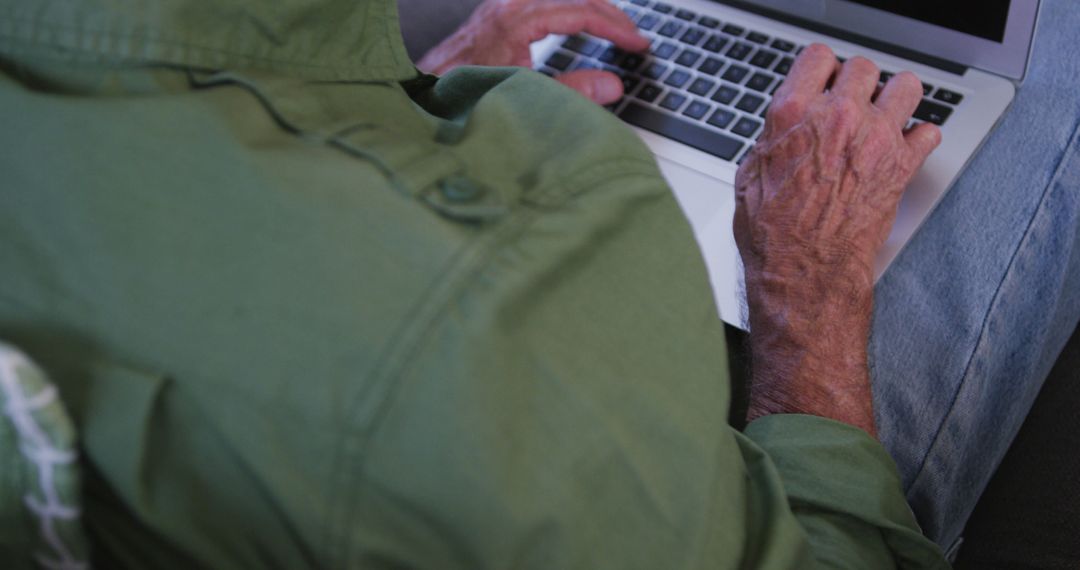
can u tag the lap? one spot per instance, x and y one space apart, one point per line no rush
973 313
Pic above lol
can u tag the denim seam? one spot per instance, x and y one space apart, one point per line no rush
1073 145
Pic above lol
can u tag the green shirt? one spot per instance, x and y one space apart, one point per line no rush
311 309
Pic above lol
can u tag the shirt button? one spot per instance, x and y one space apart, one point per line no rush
460 189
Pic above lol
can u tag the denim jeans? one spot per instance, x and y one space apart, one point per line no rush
972 315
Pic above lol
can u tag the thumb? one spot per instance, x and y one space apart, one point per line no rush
922 140
603 87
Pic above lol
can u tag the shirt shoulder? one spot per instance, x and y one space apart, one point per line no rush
566 391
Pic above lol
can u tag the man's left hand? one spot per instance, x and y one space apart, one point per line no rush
499 33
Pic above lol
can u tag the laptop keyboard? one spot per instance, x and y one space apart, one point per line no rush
704 83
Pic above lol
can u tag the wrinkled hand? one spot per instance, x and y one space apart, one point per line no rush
499 33
815 201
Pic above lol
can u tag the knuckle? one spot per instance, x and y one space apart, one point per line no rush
846 109
788 110
884 130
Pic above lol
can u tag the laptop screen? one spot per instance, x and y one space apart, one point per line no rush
982 18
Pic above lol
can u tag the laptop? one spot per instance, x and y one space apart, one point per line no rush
699 97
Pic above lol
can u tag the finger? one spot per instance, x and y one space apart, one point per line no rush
810 73
900 97
603 87
922 140
569 20
857 79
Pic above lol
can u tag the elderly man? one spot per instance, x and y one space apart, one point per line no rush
311 308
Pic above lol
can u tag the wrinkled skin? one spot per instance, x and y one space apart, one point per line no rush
498 33
815 201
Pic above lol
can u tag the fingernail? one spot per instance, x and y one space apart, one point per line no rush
606 89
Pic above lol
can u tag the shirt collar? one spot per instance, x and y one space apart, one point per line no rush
313 39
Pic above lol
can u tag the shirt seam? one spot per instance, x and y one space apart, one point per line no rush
151 39
472 258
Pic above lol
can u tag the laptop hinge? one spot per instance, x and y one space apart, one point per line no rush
903 52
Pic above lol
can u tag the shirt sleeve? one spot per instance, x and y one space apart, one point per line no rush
845 492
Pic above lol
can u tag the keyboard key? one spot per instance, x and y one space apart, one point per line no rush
927 88
746 127
688 58
784 67
715 44
733 30
763 59
711 66
610 54
631 62
725 94
701 86
648 22
757 37
649 93
714 143
560 60
721 118
696 110
749 103
673 101
948 97
932 112
692 36
764 111
662 8
640 2
885 76
735 73
678 78
782 45
655 70
547 71
685 15
665 51
708 22
669 29
739 51
581 45
759 82
629 83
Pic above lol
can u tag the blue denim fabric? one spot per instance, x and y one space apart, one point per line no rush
973 313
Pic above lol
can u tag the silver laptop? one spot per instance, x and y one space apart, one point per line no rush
698 99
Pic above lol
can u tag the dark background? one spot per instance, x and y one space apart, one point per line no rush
983 18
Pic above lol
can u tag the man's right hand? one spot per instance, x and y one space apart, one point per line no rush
815 201
499 33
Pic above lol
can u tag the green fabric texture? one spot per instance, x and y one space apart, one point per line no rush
844 514
325 40
393 322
